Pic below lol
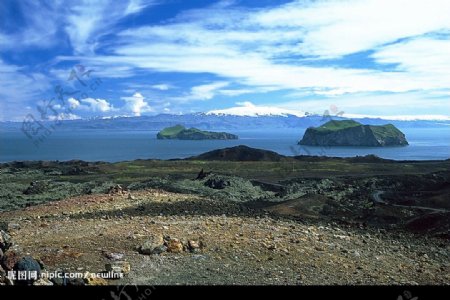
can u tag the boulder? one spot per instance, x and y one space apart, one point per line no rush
153 242
5 241
174 246
28 264
159 249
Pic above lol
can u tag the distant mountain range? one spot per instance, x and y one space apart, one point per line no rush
221 121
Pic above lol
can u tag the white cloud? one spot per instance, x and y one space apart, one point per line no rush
290 47
64 116
203 92
403 117
161 86
18 90
206 91
39 30
235 92
83 21
136 104
95 105
73 103
135 6
253 47
408 103
422 56
335 28
89 20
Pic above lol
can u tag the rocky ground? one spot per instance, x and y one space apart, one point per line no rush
178 238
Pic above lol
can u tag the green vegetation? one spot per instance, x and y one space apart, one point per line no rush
334 125
170 131
182 133
179 175
385 131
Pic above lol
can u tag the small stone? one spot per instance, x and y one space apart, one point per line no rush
93 280
174 246
43 282
113 256
194 246
13 226
118 267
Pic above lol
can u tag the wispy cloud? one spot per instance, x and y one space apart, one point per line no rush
161 86
18 87
319 51
88 21
84 22
273 47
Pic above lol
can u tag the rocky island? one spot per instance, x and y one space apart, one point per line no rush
352 133
182 133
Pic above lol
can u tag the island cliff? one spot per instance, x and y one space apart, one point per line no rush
352 133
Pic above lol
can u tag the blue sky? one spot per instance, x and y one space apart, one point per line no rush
365 57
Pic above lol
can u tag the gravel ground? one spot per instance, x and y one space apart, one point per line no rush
239 245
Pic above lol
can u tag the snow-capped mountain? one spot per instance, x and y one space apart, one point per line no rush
248 109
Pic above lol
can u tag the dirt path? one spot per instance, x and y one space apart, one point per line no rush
376 196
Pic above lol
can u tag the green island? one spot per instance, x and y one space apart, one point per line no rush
182 133
352 133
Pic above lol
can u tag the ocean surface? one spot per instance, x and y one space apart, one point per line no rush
114 145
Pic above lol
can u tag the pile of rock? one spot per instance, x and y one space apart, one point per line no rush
157 244
217 182
16 269
36 187
117 190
